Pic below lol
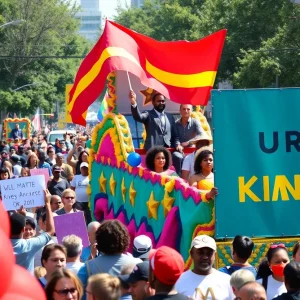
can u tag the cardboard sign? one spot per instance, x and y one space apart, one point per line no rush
44 172
73 223
26 191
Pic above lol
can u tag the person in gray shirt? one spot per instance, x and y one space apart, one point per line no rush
187 128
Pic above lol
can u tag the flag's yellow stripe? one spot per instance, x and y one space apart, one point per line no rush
202 79
90 76
197 80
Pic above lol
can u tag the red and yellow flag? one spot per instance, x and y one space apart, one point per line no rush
182 71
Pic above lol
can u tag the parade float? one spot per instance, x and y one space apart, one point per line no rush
165 208
10 123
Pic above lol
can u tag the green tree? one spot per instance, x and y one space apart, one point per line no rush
49 30
278 56
163 20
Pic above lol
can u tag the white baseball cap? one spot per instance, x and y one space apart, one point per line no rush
202 241
142 245
84 164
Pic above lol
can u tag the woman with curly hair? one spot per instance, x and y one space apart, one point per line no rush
112 240
158 159
203 178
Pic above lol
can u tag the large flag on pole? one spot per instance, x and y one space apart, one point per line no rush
182 71
36 121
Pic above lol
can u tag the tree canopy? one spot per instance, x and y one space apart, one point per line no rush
31 51
259 32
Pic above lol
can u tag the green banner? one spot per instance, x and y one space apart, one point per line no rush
257 162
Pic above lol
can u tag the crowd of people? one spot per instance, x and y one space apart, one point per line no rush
106 270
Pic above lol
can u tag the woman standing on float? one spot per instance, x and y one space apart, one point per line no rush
203 179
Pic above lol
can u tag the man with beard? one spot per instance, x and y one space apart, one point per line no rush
203 279
160 126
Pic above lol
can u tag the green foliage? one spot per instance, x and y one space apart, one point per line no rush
49 29
253 28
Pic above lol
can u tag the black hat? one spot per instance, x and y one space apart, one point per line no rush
15 158
140 272
56 168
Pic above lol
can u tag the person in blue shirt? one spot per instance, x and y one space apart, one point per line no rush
43 164
242 248
25 250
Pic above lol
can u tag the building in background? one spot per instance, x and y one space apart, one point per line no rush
90 19
137 3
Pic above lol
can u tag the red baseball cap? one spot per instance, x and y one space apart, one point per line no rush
166 264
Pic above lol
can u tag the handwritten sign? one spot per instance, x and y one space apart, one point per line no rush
44 172
26 191
73 223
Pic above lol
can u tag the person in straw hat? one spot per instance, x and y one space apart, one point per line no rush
203 140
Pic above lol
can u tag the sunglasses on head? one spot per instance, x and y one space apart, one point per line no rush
65 292
274 246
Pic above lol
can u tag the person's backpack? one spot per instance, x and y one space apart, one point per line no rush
230 270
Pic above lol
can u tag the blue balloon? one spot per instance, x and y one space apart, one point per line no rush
134 159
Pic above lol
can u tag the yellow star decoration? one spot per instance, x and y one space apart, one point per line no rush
169 186
123 189
152 205
102 181
132 194
167 203
112 184
147 96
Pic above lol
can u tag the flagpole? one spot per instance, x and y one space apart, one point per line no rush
129 81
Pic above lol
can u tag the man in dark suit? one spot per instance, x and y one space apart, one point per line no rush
160 126
17 133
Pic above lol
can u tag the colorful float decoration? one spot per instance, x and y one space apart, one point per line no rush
164 208
9 124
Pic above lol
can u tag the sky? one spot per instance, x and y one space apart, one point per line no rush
108 7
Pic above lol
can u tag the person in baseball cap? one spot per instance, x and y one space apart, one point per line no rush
138 280
166 266
203 278
142 246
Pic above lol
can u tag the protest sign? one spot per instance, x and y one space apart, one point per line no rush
257 145
26 191
73 223
44 172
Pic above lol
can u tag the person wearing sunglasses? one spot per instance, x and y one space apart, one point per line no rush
54 257
270 271
64 285
68 198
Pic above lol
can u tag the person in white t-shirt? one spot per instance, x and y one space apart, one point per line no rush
203 280
79 184
73 244
271 269
200 141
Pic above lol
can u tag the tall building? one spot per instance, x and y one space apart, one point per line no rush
90 19
137 3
